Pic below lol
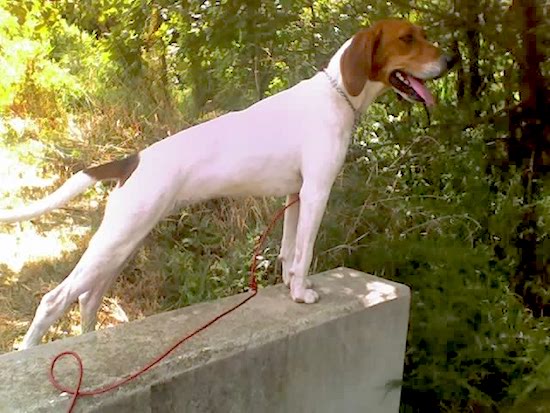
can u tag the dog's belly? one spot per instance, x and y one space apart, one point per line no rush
258 185
252 180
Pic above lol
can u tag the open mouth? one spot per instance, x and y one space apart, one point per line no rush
411 88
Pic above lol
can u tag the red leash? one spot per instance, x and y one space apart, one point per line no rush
77 392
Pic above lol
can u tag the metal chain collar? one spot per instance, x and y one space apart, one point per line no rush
343 94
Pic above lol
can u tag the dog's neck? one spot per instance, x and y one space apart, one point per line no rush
370 91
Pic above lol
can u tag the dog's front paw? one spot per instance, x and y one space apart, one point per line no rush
310 296
287 278
307 296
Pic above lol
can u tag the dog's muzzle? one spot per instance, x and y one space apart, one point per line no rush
411 86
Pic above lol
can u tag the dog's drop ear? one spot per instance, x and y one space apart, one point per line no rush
358 62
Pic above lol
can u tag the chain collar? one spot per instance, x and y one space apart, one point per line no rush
334 84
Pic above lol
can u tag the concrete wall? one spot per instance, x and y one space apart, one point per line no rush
344 354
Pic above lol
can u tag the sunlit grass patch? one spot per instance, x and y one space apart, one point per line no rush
24 242
19 168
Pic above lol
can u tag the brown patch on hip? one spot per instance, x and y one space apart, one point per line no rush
119 170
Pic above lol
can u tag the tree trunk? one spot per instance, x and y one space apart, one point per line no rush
475 76
529 148
460 74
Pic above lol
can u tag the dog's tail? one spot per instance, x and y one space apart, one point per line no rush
119 170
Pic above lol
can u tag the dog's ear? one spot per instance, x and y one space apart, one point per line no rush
358 62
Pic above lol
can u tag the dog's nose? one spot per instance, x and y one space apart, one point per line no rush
451 60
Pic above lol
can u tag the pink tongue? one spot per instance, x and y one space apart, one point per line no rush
421 90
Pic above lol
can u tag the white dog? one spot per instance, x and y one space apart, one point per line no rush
293 144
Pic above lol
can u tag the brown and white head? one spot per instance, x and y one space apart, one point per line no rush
396 54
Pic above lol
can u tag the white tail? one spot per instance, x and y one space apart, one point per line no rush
74 186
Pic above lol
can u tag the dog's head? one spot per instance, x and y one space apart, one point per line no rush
397 54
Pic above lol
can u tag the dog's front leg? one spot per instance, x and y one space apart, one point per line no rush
288 242
313 201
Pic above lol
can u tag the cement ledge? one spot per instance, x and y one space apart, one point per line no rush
271 355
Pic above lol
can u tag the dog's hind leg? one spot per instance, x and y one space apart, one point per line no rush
52 305
89 303
116 239
91 277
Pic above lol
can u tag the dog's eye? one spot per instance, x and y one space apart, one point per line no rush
407 38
